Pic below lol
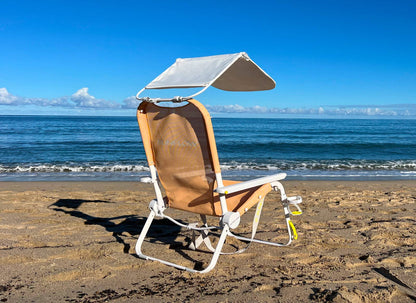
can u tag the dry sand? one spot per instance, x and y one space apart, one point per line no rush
74 242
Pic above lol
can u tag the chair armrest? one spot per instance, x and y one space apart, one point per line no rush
249 184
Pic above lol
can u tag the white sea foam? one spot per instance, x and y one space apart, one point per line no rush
331 165
405 167
55 168
343 170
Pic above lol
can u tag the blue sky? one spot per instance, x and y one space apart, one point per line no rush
91 57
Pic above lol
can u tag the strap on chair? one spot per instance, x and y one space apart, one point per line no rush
203 237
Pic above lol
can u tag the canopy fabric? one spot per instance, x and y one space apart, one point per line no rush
232 72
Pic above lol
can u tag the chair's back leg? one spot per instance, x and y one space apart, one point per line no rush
143 234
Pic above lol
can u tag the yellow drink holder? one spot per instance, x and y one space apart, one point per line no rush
292 227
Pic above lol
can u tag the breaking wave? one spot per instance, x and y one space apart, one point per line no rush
334 165
56 168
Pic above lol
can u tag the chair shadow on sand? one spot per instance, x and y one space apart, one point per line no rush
162 230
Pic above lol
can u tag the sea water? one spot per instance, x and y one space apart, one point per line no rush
79 148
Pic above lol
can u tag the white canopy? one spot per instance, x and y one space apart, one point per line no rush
232 72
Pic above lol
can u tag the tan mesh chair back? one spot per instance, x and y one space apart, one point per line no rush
180 142
179 146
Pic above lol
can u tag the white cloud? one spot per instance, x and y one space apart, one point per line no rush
130 102
83 100
6 98
236 108
62 102
392 110
80 99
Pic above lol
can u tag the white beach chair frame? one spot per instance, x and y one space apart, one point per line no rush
230 220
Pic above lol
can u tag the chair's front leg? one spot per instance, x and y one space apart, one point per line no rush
277 186
218 248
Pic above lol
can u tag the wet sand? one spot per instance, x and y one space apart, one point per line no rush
74 242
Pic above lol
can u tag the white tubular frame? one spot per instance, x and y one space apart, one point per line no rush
174 99
249 184
277 186
211 265
157 207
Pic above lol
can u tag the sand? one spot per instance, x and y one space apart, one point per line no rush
74 242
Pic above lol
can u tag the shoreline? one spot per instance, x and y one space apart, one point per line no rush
74 241
118 185
242 175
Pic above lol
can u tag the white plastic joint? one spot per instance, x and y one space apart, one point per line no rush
153 206
232 219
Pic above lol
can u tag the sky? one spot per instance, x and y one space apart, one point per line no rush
334 57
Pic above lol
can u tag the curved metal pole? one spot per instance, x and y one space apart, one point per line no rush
200 92
137 95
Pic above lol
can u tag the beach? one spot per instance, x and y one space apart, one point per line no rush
74 242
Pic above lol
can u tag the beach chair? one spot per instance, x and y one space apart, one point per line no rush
182 155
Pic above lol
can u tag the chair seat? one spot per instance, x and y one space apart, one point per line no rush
240 201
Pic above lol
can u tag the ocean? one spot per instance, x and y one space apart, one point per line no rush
80 148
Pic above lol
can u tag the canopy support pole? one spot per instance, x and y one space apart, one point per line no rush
174 99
